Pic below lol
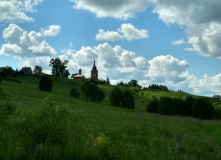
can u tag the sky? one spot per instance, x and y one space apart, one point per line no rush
169 42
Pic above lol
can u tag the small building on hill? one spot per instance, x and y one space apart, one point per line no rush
94 74
216 97
26 70
79 76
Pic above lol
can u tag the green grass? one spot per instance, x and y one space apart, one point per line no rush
132 134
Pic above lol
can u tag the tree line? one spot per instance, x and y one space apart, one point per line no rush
199 108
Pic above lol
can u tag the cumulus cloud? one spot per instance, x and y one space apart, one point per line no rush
202 20
207 85
20 43
51 31
127 31
16 10
123 9
131 33
108 35
178 42
167 69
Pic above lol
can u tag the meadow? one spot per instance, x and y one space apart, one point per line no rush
53 125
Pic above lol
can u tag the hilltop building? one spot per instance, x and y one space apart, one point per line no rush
26 70
79 76
94 73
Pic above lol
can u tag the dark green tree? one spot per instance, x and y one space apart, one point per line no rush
45 83
115 96
166 106
100 96
59 68
108 81
153 105
203 109
37 70
74 93
91 91
128 100
133 83
179 106
189 101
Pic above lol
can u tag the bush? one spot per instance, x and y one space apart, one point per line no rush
45 83
217 108
203 109
116 96
128 100
166 106
91 91
153 105
189 101
74 93
6 108
0 78
179 106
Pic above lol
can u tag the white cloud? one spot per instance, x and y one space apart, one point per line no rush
202 20
127 31
178 42
16 10
20 43
108 35
164 69
51 31
131 33
123 9
207 85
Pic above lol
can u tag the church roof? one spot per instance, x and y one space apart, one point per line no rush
94 67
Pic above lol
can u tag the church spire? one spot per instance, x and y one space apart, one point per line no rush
94 67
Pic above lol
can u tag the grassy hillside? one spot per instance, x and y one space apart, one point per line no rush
101 131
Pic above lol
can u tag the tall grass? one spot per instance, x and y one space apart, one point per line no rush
62 127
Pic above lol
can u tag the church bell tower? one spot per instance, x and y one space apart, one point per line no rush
94 72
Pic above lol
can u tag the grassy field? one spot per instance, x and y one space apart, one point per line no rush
99 130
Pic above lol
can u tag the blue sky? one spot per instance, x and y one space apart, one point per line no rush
154 41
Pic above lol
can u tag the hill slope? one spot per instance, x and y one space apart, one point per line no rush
101 131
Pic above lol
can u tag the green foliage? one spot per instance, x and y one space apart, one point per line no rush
6 72
115 96
128 100
166 106
203 109
74 93
91 91
153 105
45 129
59 67
38 70
156 87
189 101
179 106
45 83
217 108
108 81
133 83
0 78
6 107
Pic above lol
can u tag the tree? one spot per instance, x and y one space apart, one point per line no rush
153 105
59 67
133 83
45 83
203 109
38 70
116 96
108 81
166 106
91 91
128 100
100 96
74 93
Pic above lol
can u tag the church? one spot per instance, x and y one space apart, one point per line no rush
94 73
